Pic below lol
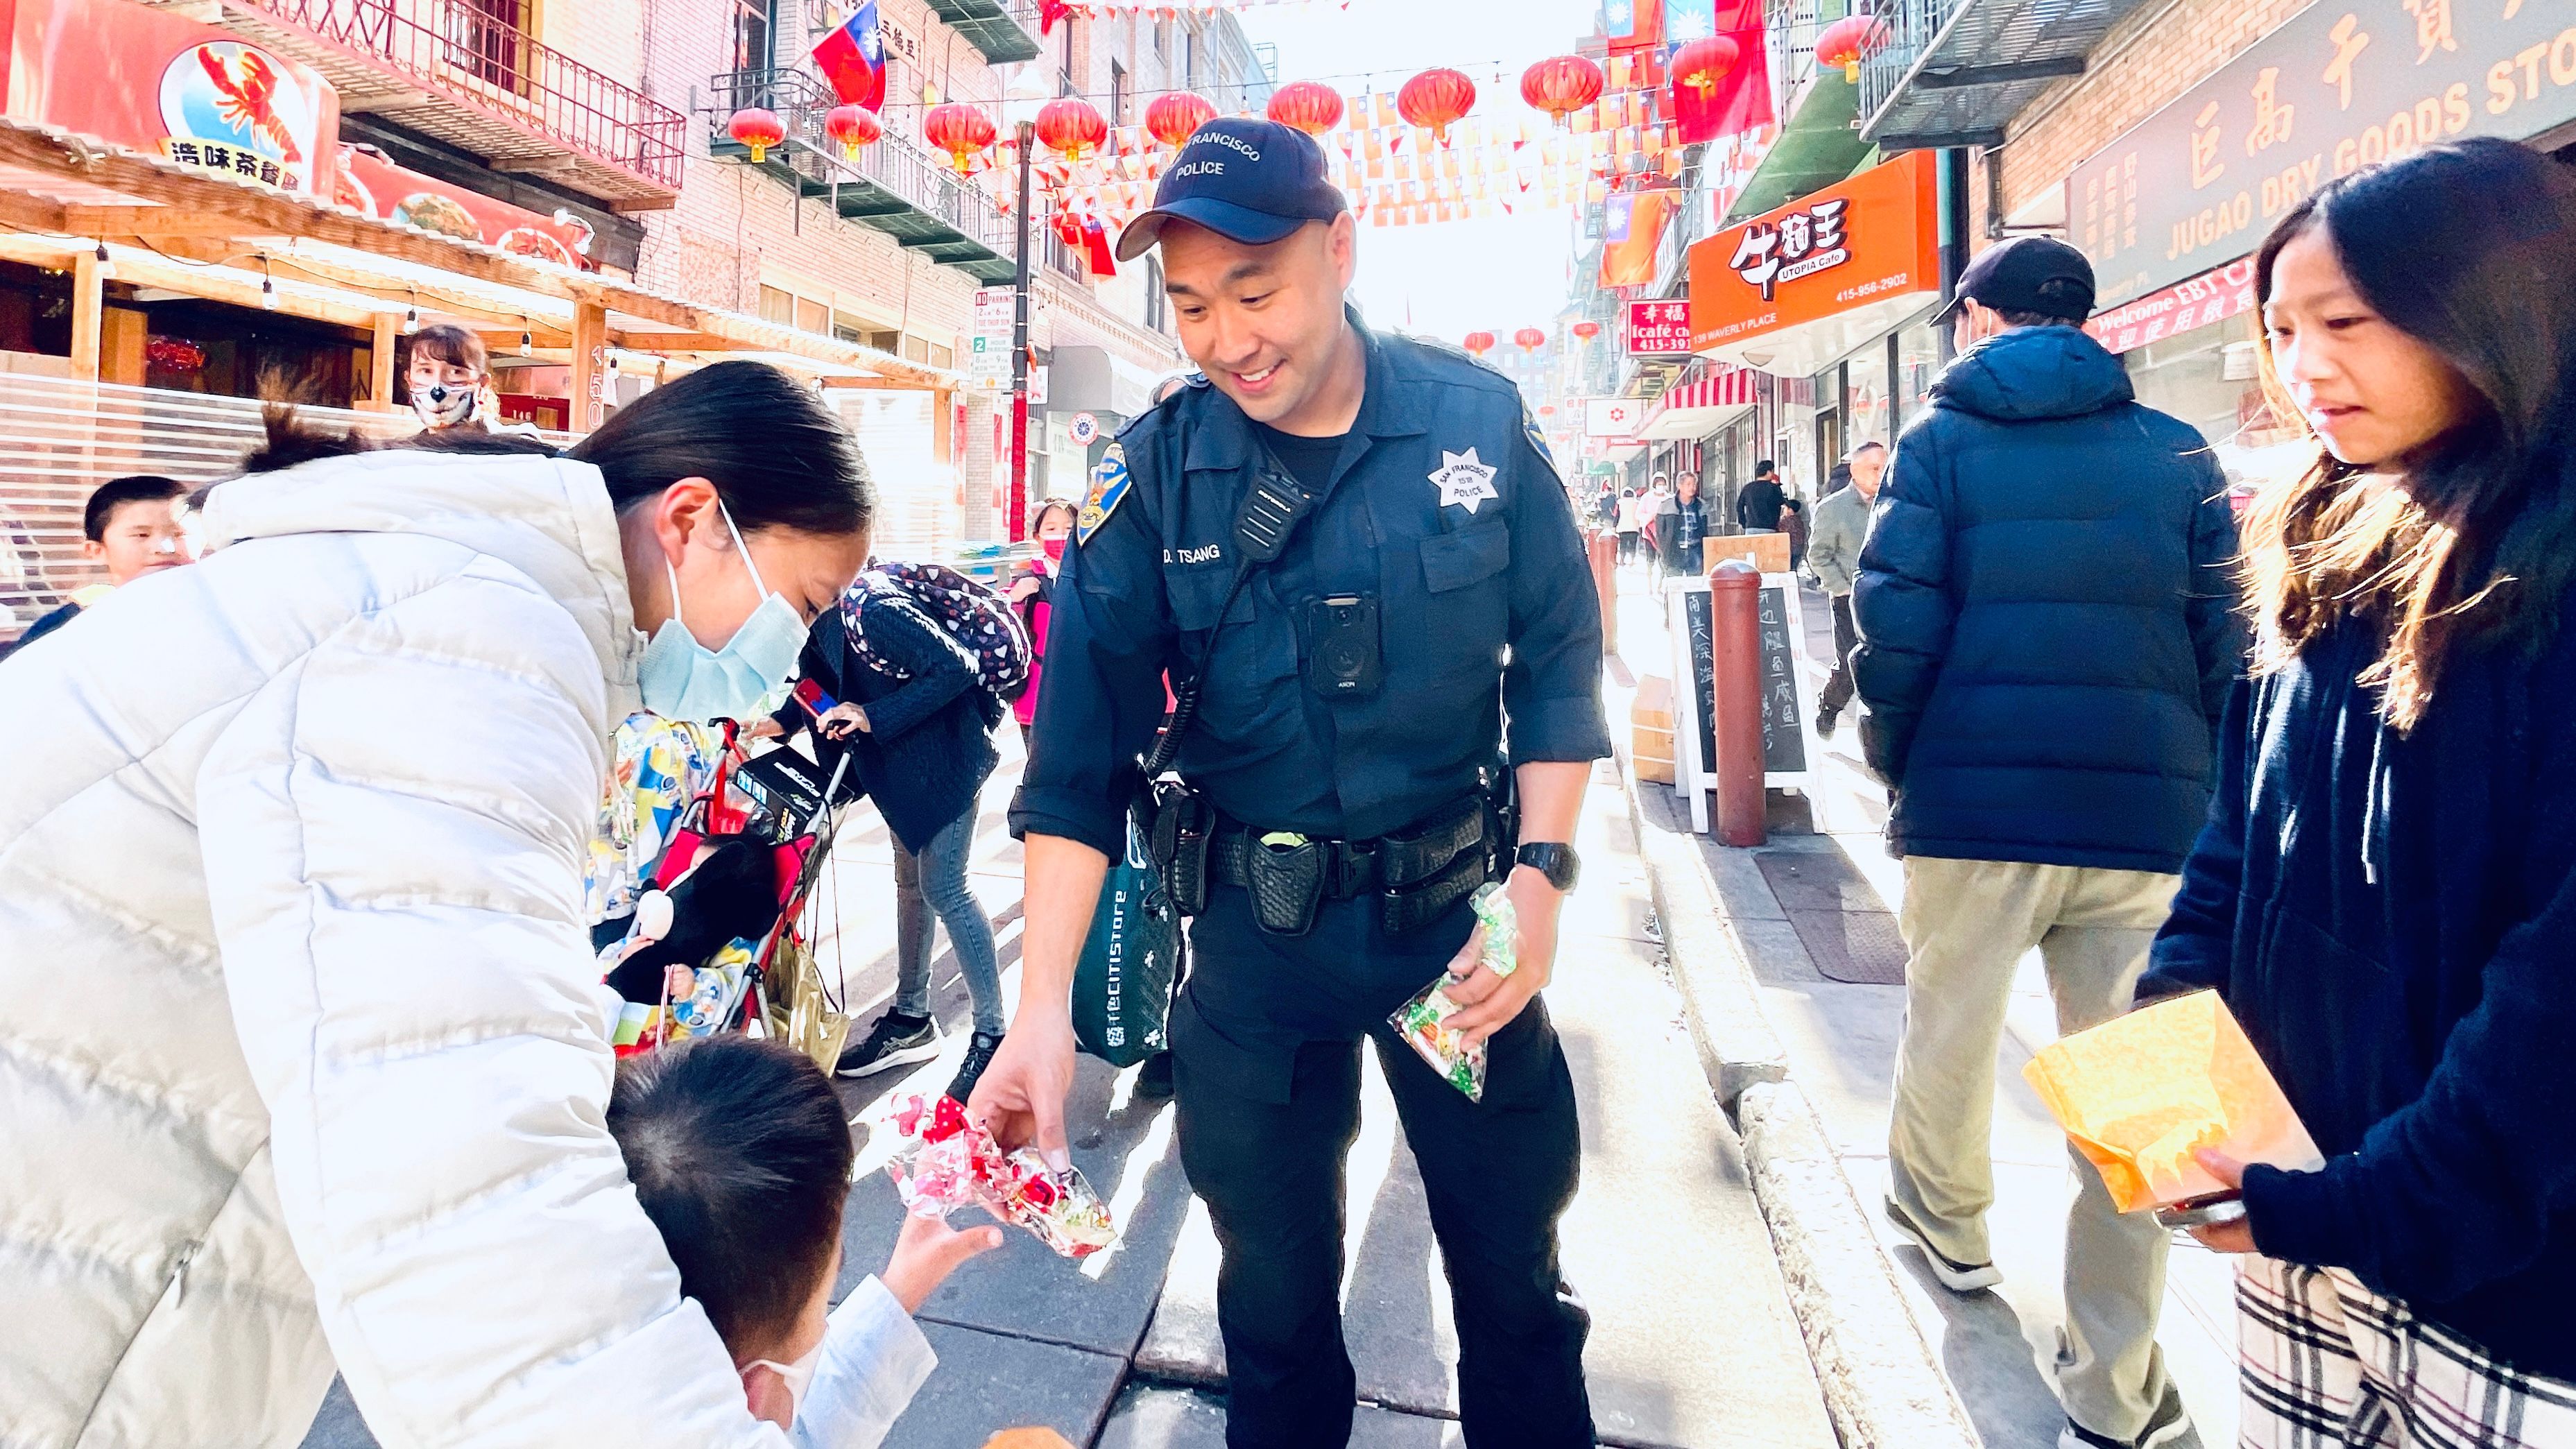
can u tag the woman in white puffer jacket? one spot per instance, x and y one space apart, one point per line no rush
305 1056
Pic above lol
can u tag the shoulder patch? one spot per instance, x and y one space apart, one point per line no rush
1109 484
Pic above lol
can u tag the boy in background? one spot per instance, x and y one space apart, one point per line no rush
130 526
740 1154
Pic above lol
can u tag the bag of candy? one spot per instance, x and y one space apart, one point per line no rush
1424 1020
945 1161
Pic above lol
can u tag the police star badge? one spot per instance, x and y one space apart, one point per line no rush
1464 479
1109 484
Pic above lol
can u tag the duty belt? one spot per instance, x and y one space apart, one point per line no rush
1416 875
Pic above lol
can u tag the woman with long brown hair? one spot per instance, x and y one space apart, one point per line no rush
2385 894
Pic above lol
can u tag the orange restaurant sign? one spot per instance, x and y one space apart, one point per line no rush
1794 289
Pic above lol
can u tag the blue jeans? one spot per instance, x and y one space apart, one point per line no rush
935 881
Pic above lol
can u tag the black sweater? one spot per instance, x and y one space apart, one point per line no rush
2393 919
929 745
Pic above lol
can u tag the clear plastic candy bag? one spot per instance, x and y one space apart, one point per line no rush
1424 1021
945 1161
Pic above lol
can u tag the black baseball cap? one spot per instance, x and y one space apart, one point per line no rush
1247 180
2016 277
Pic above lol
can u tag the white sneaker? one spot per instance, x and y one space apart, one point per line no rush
1956 1276
2169 1425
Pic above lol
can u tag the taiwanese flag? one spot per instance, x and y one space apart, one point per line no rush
852 58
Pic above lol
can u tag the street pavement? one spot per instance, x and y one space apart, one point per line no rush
1693 1343
1841 1038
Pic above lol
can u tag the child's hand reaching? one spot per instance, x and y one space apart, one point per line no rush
926 1252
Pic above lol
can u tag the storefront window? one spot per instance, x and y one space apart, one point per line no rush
1867 391
2208 378
1918 361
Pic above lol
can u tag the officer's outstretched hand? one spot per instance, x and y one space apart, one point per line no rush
1020 1097
1493 1001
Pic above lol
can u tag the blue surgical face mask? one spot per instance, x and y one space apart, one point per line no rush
684 679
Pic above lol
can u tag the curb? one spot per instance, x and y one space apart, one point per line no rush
1882 1385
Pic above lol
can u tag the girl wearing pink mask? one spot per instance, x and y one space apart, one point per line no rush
1032 593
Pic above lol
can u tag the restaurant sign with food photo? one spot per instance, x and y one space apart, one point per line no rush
376 186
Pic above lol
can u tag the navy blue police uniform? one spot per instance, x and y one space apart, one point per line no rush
1441 510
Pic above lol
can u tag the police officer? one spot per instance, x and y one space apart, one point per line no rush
1360 541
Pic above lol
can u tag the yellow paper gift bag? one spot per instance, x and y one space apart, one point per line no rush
2139 1094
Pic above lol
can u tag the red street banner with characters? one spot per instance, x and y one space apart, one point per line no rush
371 184
155 82
1659 329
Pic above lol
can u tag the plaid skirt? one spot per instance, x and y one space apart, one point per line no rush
2328 1364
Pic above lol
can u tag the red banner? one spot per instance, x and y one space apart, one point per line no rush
156 82
371 184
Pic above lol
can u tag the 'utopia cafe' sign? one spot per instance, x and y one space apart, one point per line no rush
2342 85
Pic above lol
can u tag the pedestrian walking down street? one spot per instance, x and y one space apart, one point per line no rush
343 1076
1632 522
1650 517
1833 553
1680 526
1793 522
916 714
1354 552
1758 505
2047 640
2386 892
1032 593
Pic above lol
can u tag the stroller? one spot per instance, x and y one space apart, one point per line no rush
723 940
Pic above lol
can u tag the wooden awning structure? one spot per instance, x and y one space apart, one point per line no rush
63 196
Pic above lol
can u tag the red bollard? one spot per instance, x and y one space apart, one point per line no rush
1605 582
1735 639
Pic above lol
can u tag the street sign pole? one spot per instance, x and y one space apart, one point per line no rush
1017 524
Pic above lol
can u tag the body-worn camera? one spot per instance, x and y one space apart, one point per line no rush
1342 658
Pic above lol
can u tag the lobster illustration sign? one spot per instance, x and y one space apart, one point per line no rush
235 108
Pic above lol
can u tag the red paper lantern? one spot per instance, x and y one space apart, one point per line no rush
1176 115
1704 64
757 129
1310 106
1547 410
1435 99
1561 85
1530 339
1478 343
852 127
961 130
1586 330
1071 126
1844 42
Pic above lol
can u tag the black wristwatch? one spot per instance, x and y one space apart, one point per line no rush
1555 860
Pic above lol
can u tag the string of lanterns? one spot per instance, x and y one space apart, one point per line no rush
1418 156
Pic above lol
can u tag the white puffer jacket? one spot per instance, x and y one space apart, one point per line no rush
304 1056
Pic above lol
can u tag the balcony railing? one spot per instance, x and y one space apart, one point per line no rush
1954 72
958 214
467 54
1006 31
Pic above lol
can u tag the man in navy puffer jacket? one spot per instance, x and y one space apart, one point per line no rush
2047 640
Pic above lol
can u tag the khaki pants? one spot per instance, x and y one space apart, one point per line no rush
1967 923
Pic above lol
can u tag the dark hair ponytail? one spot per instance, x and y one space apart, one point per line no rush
777 456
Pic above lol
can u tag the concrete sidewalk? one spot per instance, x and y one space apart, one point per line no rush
1693 1341
1839 1039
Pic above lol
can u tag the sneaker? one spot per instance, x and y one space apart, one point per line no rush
979 1055
1956 1276
896 1040
1154 1078
1825 723
2170 1423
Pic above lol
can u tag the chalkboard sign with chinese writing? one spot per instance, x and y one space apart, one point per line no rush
1784 742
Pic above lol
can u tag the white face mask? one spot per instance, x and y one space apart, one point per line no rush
798 1376
443 406
683 679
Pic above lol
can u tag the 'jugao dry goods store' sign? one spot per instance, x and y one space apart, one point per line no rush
2342 85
